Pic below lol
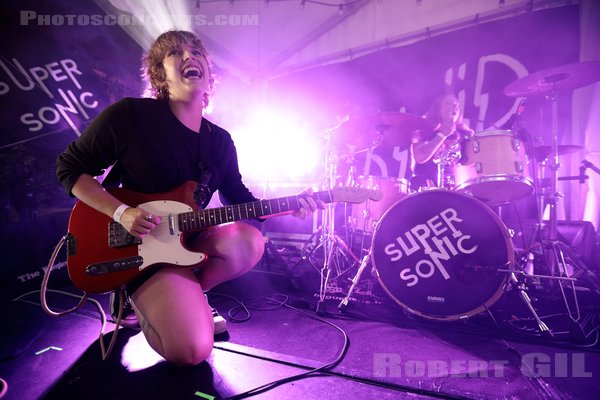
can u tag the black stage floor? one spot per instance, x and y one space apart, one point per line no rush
390 353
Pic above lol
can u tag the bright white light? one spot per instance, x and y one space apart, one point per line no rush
138 355
160 15
277 146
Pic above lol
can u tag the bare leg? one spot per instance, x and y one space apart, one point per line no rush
171 306
233 250
175 316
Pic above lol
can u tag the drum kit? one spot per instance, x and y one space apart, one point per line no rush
445 253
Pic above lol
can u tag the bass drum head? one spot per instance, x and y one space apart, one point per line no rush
438 254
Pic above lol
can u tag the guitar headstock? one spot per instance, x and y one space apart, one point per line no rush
355 195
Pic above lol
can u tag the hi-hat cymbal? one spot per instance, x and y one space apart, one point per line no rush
541 152
557 79
395 128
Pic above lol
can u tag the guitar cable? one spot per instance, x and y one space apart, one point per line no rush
82 300
3 387
277 301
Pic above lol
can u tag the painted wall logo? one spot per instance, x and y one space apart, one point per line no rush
439 238
67 103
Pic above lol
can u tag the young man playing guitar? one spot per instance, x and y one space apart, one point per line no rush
159 144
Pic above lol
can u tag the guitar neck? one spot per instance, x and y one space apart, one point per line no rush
197 220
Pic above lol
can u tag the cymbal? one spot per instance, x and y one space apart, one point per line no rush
557 79
541 152
395 128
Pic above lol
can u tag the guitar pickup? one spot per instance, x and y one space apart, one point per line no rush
119 237
114 266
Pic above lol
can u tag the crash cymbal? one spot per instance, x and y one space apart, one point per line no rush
542 152
557 79
395 127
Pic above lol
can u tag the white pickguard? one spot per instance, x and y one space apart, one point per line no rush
160 246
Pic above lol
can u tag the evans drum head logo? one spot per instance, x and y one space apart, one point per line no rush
436 299
439 239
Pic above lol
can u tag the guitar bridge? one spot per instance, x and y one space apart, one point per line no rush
114 266
119 237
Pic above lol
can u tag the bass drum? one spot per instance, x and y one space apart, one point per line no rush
439 254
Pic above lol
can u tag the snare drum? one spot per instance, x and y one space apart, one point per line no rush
439 254
494 168
371 211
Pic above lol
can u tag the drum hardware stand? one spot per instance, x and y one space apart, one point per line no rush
363 264
520 286
563 265
366 254
333 246
441 176
522 289
445 177
352 182
366 213
555 259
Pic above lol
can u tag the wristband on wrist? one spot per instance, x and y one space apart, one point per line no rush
441 135
119 212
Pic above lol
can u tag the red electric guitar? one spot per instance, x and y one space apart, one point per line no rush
103 256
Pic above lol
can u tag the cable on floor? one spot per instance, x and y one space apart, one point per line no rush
278 301
3 387
82 300
546 390
105 352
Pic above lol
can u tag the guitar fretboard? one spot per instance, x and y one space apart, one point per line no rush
196 220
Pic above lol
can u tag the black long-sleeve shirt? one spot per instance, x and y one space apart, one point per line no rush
154 150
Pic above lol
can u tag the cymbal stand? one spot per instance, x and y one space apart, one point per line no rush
554 166
560 259
335 251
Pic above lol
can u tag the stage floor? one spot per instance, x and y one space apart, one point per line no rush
390 353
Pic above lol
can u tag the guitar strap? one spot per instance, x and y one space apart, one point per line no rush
202 193
113 179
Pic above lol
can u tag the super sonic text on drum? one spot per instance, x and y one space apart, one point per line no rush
443 233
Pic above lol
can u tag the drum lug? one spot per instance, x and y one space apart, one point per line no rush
475 146
478 167
516 144
519 166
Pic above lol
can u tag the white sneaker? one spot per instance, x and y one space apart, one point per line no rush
220 322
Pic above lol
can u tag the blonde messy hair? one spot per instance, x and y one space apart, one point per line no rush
153 71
